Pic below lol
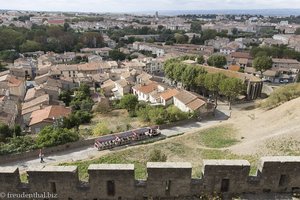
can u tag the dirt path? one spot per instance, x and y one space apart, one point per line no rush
257 127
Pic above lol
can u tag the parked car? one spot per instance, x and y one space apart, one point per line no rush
266 81
284 81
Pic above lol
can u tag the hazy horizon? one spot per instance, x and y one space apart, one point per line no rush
135 6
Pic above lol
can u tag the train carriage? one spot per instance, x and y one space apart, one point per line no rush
127 137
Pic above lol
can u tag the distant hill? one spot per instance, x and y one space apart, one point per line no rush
264 12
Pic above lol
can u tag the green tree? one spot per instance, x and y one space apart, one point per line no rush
196 40
92 39
129 102
9 55
5 132
169 69
235 31
10 38
66 26
208 34
72 121
297 32
212 83
200 60
157 115
143 112
178 70
231 88
180 38
117 55
262 63
30 46
66 97
200 82
86 105
16 130
217 61
196 26
188 76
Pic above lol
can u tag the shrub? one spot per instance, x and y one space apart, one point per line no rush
174 114
5 132
50 136
17 144
101 129
129 102
156 155
160 115
157 115
84 117
143 113
282 95
76 118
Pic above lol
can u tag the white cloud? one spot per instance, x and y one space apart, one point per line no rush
144 5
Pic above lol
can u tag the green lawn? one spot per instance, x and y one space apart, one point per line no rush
216 137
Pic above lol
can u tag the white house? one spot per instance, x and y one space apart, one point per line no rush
166 97
189 102
149 92
122 87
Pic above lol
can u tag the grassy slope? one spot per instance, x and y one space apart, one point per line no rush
187 148
282 95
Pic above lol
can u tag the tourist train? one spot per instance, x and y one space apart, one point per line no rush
127 137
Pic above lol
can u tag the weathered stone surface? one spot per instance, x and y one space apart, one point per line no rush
164 181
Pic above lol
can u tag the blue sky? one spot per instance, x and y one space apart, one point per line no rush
144 5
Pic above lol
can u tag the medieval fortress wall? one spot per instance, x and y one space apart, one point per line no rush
164 181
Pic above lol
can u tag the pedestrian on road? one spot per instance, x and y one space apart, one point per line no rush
41 156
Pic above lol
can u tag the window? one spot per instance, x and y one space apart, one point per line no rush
110 188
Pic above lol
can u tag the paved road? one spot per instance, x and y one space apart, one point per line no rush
90 152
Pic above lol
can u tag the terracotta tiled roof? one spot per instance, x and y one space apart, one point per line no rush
30 94
196 104
169 94
89 67
285 61
185 97
122 82
146 89
48 114
13 82
241 55
63 67
37 101
232 74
